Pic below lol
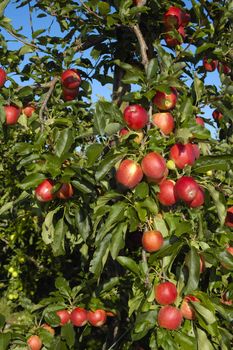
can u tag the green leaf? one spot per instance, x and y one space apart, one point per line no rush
63 141
205 313
152 68
93 152
144 322
48 228
106 165
82 223
185 341
199 88
202 340
2 320
118 239
193 263
100 256
31 181
186 109
58 244
3 5
26 49
204 47
142 190
104 8
205 163
63 286
6 207
82 185
221 210
68 333
129 264
5 338
36 33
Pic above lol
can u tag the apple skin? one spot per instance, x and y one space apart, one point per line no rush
2 77
152 241
229 217
165 101
64 316
173 17
172 41
65 192
28 111
164 121
48 328
217 115
135 116
165 293
154 166
34 342
71 79
186 309
199 199
224 68
97 318
200 121
43 191
210 64
166 195
70 94
186 188
129 173
12 114
78 317
169 317
196 150
182 155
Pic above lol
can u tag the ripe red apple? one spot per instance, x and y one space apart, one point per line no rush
43 191
64 316
199 199
152 241
172 40
229 217
182 155
97 318
210 64
169 317
65 191
230 250
129 173
200 121
166 195
164 121
28 110
165 101
196 150
12 114
154 166
70 94
48 328
186 309
2 77
224 68
173 17
135 116
34 342
165 293
78 317
71 79
186 188
217 115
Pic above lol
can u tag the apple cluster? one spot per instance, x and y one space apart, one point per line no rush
175 20
70 80
210 64
44 192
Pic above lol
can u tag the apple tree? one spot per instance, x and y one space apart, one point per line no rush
116 210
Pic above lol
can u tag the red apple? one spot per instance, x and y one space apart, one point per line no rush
185 19
78 317
135 116
71 79
172 40
229 217
124 132
28 111
70 94
48 328
34 342
164 121
165 101
196 150
217 115
154 166
165 293
173 17
64 316
169 317
182 155
43 191
199 199
200 121
2 77
225 299
230 250
166 194
129 173
65 192
12 114
186 188
223 68
97 318
186 309
152 241
210 64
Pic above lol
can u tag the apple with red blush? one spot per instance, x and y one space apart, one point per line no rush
166 100
129 173
2 77
135 116
164 121
12 114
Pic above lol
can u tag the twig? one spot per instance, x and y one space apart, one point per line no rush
144 259
90 10
142 44
47 97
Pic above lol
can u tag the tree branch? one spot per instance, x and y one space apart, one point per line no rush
90 10
47 97
142 44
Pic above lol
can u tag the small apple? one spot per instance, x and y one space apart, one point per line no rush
165 101
48 328
173 17
154 166
210 64
229 217
199 199
186 309
200 121
135 116
97 318
172 40
186 188
12 114
129 173
217 115
165 293
170 317
171 164
64 316
152 241
28 110
70 94
182 155
78 317
71 79
224 68
2 77
65 191
164 121
43 191
166 195
34 342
